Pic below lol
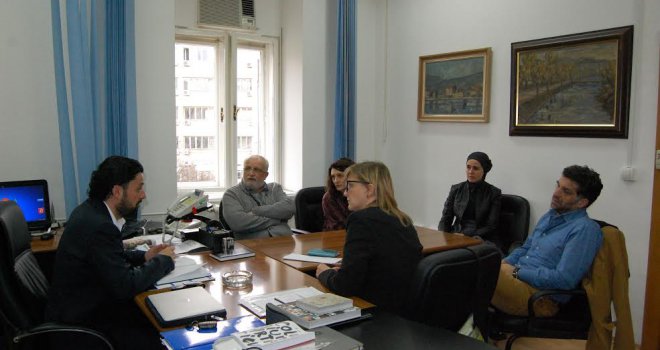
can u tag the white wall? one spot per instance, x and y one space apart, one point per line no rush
372 81
29 136
292 90
319 47
154 60
426 158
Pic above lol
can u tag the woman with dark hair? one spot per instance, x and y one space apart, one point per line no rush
473 206
382 248
334 204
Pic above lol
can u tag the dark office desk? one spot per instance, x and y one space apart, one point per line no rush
388 331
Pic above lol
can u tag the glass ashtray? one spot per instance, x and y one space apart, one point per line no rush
237 279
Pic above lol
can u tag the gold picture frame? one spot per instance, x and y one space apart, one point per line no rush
455 87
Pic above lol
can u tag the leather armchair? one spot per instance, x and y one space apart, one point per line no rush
24 288
309 213
572 322
450 285
514 222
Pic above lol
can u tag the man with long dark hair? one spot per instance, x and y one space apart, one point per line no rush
95 279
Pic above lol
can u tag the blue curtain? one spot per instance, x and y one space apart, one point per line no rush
94 58
345 89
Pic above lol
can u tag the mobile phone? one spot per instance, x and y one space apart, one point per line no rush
327 253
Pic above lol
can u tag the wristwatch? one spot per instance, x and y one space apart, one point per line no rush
515 272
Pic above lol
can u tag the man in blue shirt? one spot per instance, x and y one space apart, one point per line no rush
560 250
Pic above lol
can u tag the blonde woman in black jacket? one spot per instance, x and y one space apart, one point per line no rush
382 248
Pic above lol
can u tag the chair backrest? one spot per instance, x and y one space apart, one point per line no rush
448 286
23 286
309 213
221 218
514 221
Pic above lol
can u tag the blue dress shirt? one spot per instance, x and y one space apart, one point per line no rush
559 252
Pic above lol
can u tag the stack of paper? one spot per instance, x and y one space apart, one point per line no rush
186 271
179 247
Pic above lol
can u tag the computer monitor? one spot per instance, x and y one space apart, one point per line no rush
32 197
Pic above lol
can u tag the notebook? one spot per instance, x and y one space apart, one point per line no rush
180 307
32 197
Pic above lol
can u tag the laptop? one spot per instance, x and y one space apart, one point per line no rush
182 306
32 197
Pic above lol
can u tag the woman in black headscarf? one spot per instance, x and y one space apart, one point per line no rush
473 206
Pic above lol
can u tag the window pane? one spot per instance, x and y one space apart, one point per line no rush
250 121
197 115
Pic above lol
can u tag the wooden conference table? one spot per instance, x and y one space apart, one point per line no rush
277 247
272 273
384 331
268 275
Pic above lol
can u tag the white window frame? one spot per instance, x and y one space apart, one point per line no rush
227 129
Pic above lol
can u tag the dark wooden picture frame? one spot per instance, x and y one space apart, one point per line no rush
574 85
455 87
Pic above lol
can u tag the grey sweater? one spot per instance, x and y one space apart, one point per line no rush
257 214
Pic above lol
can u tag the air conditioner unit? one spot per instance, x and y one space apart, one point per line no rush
227 13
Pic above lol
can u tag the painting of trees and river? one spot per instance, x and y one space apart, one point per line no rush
568 85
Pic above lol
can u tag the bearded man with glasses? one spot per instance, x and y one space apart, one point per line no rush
255 209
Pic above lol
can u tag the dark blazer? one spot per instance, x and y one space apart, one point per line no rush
487 201
380 257
93 272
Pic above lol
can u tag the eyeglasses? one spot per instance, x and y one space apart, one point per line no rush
350 182
251 169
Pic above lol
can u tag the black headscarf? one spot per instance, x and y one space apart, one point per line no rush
483 159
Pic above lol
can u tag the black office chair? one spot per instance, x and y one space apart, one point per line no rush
572 321
448 286
221 218
309 213
514 222
23 288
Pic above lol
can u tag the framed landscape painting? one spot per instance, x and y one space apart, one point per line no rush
573 85
454 87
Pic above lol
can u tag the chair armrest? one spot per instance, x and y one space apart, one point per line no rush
52 327
548 292
298 231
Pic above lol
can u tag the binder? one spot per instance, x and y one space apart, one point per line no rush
198 339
